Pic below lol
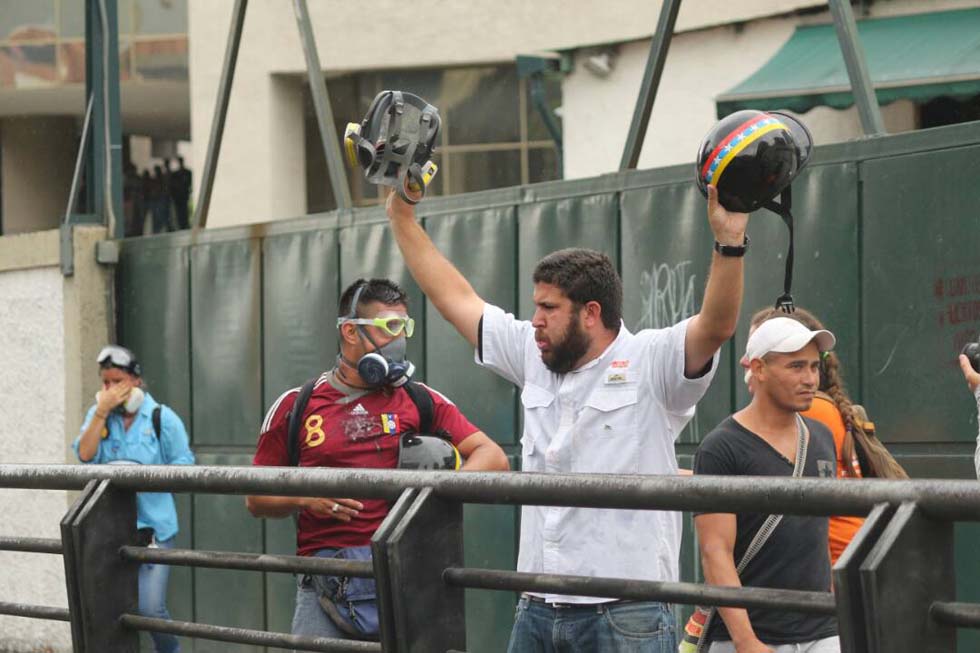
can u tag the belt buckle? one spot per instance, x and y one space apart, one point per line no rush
544 601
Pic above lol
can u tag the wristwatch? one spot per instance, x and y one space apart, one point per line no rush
732 250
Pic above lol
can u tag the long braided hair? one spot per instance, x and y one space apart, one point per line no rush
831 381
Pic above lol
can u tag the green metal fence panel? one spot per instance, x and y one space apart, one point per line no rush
299 307
826 269
369 250
280 588
221 596
666 252
227 347
921 289
482 244
153 291
690 562
944 462
545 226
490 534
886 241
967 547
180 590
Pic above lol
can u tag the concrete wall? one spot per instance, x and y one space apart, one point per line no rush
719 43
52 328
37 159
32 430
596 112
260 171
701 65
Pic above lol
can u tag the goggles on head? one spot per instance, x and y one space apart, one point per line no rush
116 356
393 325
395 141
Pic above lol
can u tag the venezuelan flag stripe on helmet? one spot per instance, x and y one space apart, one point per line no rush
737 141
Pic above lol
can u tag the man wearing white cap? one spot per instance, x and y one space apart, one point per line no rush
770 438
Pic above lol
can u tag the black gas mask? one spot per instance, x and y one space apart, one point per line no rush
395 141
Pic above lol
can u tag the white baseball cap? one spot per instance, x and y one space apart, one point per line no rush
785 335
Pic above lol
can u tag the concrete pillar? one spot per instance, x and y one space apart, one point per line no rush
261 168
38 159
53 327
89 325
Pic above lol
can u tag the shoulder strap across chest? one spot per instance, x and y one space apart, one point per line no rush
417 393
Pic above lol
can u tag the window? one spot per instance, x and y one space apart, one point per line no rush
491 135
42 42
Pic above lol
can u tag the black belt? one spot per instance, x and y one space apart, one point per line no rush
566 606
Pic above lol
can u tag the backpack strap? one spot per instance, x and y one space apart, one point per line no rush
295 419
158 429
423 402
861 416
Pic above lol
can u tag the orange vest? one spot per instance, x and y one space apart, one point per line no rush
842 529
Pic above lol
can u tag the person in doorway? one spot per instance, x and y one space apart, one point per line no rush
596 398
180 192
126 425
355 418
160 200
146 189
770 437
132 201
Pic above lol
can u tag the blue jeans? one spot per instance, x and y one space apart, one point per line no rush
620 627
153 600
309 618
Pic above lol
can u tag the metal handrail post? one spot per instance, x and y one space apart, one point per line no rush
103 521
102 84
220 112
321 103
857 68
651 82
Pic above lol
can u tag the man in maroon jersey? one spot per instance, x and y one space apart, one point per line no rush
351 422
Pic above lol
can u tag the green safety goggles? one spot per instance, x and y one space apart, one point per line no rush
392 325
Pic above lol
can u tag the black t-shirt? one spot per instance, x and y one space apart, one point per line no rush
796 556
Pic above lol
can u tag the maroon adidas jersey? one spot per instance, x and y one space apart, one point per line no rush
359 433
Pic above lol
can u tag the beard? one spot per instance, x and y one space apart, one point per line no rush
565 353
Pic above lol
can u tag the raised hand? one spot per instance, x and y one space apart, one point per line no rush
727 226
114 396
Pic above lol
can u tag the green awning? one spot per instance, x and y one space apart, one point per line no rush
916 57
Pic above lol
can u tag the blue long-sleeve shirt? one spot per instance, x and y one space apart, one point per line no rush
140 445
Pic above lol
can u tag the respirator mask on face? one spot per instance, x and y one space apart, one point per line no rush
132 403
387 365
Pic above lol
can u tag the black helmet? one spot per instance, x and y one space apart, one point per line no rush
751 156
423 451
394 141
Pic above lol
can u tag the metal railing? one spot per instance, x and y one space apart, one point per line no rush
905 548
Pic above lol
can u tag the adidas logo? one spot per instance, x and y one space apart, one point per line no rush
359 410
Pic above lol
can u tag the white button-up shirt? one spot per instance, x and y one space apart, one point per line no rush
617 414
